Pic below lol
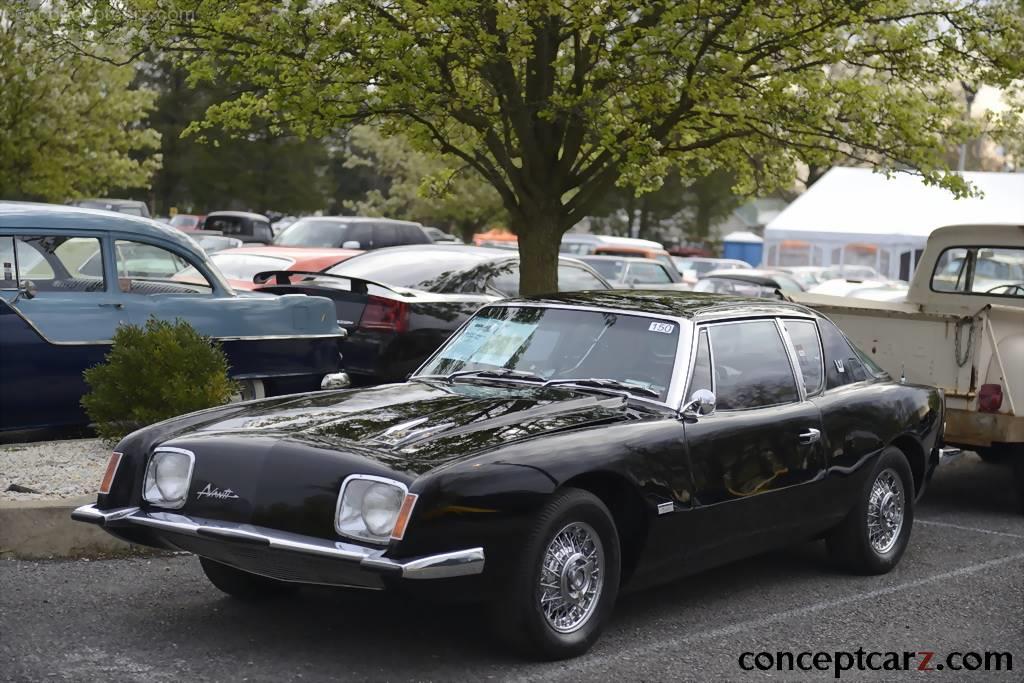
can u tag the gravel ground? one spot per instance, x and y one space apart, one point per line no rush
56 469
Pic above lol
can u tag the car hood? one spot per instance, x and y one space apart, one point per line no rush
417 426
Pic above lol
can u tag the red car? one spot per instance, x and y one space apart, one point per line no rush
239 265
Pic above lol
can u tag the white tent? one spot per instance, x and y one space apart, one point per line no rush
856 216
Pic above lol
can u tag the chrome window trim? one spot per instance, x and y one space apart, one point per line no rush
698 330
188 485
680 365
711 351
821 354
794 364
341 496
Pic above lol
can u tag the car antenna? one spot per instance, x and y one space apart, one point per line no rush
903 375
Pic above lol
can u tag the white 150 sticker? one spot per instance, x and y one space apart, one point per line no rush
664 328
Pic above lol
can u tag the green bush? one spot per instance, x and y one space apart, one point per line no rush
153 373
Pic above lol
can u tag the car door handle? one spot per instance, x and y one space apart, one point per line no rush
117 306
810 436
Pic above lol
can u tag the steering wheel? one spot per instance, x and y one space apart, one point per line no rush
1011 290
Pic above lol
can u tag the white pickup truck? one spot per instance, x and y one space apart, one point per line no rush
961 328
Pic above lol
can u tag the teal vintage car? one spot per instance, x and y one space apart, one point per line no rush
69 276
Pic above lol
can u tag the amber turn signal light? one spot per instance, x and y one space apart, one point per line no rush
108 476
404 513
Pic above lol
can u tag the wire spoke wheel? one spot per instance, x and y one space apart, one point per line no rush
571 577
885 511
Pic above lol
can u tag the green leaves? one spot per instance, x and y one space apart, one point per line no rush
152 374
70 126
553 104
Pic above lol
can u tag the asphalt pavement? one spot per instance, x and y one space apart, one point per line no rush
959 589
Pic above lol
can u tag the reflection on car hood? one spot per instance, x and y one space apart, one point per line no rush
417 426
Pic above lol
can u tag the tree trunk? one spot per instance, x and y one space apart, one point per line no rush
538 255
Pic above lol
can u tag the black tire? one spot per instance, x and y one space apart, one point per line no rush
850 544
518 618
243 585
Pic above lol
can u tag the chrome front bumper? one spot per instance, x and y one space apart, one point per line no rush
280 554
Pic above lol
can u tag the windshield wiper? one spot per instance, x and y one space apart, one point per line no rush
607 383
505 373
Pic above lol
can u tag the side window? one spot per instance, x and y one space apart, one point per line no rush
842 364
410 234
751 366
804 336
8 274
55 263
385 235
136 260
262 231
506 280
359 232
648 274
701 378
575 279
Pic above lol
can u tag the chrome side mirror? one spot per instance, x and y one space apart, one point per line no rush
702 402
26 289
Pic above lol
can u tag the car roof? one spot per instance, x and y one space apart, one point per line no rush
612 257
360 219
748 274
112 202
693 305
238 214
33 215
302 258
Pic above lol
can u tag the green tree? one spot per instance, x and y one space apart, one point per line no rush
423 187
262 170
554 103
70 126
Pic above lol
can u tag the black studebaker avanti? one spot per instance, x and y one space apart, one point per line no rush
551 451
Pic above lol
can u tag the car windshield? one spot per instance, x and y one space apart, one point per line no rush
313 232
435 270
561 345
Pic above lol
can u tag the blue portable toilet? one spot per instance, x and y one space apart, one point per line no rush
743 245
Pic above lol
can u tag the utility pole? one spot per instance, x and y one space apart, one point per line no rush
970 92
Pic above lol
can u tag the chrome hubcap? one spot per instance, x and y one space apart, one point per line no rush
571 577
885 511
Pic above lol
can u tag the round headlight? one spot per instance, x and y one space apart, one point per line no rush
381 504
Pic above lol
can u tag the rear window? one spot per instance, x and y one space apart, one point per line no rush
314 232
993 271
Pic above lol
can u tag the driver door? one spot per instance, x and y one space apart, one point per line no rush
757 458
